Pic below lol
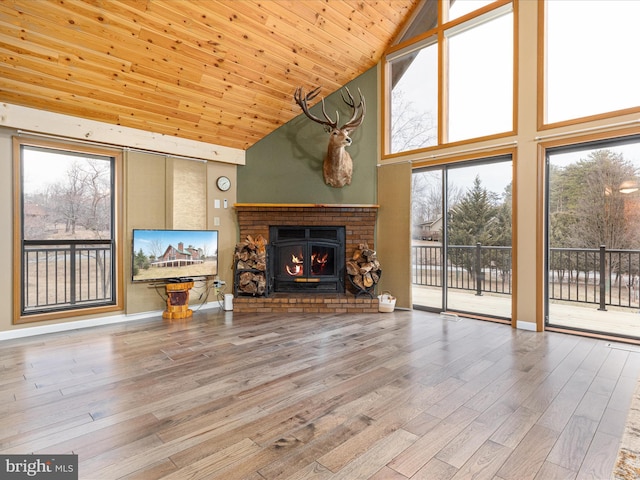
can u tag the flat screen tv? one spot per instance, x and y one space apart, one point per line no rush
174 255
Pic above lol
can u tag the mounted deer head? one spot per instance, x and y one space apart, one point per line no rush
337 167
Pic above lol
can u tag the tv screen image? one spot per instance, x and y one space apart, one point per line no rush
164 255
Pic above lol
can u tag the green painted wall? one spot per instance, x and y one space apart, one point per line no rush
286 166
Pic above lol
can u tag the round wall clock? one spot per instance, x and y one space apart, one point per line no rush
223 183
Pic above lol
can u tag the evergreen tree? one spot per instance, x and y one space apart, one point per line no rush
478 218
140 261
474 219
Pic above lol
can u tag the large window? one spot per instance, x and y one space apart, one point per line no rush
593 242
590 58
454 82
480 94
414 99
65 226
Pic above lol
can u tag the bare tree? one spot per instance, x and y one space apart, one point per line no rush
601 211
97 213
410 128
426 196
70 197
156 248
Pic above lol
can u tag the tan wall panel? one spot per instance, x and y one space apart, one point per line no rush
189 194
393 236
146 208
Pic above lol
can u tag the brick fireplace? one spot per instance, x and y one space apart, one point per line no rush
359 222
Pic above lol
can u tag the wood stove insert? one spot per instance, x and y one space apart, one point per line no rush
307 259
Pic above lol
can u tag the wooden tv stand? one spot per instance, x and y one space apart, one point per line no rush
178 300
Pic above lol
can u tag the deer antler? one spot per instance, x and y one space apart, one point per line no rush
302 101
358 111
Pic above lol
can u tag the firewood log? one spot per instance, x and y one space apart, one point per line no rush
352 268
366 267
369 254
245 278
241 265
250 288
357 281
367 280
261 244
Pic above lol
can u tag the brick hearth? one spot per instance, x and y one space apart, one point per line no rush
360 221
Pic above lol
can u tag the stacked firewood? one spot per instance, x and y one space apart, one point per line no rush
364 267
251 266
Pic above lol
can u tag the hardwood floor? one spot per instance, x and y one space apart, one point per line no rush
369 396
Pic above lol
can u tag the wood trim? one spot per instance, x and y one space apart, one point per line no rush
516 67
514 237
540 241
17 228
118 286
542 51
475 155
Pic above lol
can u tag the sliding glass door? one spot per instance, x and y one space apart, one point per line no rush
593 239
462 260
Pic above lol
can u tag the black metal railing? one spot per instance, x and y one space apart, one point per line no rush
596 276
599 276
479 268
66 274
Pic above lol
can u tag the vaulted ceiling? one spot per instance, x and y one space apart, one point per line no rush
217 71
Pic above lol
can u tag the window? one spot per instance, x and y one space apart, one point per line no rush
480 94
66 228
414 99
454 82
590 67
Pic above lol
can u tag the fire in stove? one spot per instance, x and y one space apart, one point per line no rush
318 264
295 268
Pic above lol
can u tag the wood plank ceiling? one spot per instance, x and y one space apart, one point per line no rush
217 71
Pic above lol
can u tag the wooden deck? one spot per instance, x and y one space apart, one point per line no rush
353 396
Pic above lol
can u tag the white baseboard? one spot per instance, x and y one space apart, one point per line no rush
92 322
526 326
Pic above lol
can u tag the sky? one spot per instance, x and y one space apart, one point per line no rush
44 168
205 239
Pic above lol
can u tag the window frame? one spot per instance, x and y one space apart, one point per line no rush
415 43
542 125
116 235
544 146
